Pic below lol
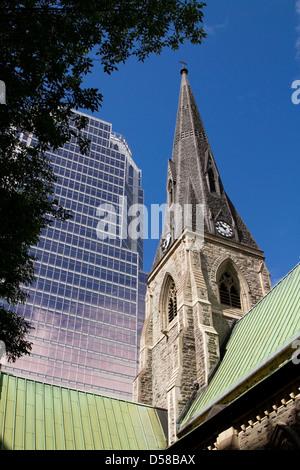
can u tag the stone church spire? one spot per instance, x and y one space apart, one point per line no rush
206 274
193 180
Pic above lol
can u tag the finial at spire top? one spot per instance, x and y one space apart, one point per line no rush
183 68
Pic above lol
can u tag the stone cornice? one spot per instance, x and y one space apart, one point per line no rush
245 249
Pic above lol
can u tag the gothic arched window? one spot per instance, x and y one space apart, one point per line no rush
172 302
168 302
229 290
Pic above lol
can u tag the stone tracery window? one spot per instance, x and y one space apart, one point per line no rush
229 290
172 302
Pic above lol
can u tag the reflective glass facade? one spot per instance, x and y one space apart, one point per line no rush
87 304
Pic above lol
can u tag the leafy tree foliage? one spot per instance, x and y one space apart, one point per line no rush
14 329
45 54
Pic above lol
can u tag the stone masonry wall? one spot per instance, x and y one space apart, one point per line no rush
259 436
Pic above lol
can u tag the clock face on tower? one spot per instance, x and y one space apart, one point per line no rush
166 242
224 229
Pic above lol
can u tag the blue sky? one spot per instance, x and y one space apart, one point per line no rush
242 78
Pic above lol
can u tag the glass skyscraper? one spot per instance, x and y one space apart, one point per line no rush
87 304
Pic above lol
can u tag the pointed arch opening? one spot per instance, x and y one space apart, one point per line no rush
168 302
229 286
229 291
242 288
212 176
211 180
172 302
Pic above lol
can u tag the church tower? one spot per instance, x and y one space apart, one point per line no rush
207 272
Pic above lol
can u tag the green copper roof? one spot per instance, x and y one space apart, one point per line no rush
36 415
260 341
